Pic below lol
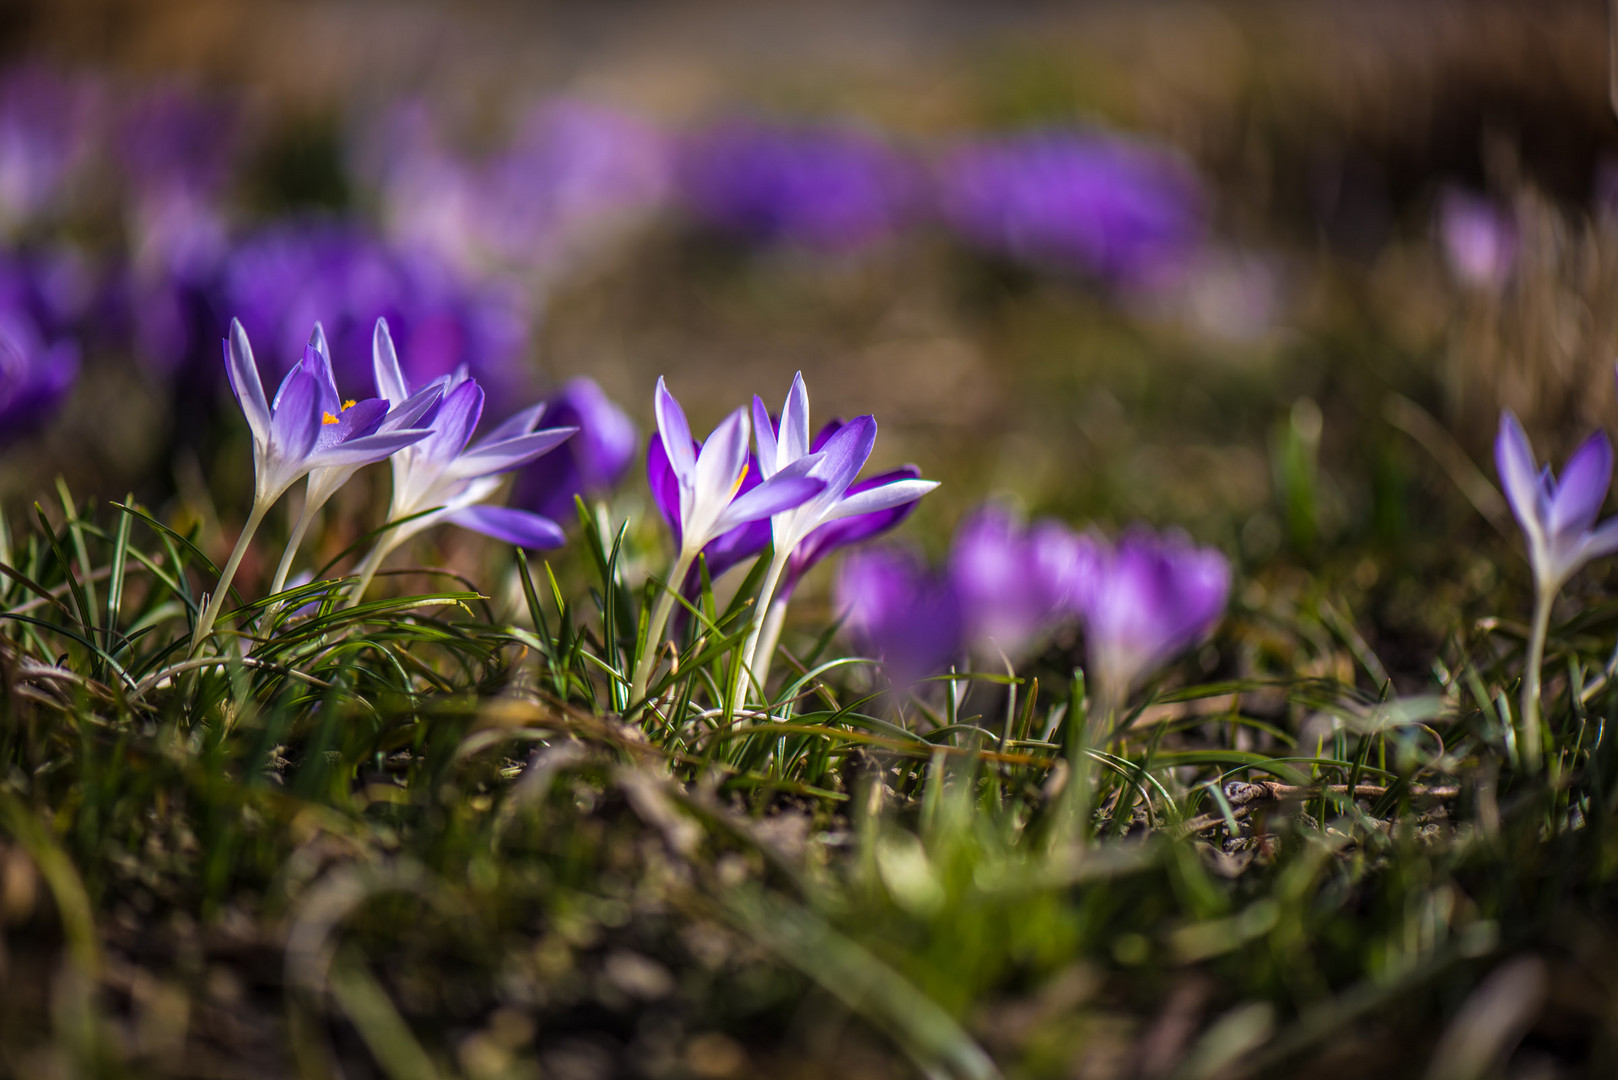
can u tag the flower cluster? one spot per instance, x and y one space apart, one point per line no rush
1009 587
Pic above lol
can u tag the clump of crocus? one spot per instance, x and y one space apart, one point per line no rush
289 443
448 477
589 464
708 482
1143 599
827 187
1558 520
841 457
34 376
1120 210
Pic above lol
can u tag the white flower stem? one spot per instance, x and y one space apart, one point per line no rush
216 603
1532 727
305 517
654 629
764 654
766 598
370 565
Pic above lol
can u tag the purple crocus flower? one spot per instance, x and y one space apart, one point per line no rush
452 476
842 455
34 376
827 187
708 500
728 549
1478 237
290 442
589 464
1144 599
1016 583
347 422
1558 518
900 612
1125 211
284 278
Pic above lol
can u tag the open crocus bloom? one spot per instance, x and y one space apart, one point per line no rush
1558 517
843 452
1017 583
447 471
899 611
288 437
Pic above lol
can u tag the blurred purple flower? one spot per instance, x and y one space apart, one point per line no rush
34 376
899 611
46 137
574 174
1478 237
1016 583
589 464
289 276
1145 598
1123 210
822 186
1558 518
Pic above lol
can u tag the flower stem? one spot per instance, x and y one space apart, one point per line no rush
764 654
368 567
1532 728
305 517
766 599
654 629
216 603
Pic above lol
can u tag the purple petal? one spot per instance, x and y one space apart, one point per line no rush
764 436
366 448
674 430
295 425
458 414
390 380
845 454
360 419
845 532
244 382
780 492
518 527
886 497
665 485
489 459
1603 541
1514 459
317 362
408 412
830 428
1583 488
522 422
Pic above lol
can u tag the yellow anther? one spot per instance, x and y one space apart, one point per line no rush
327 418
737 486
349 404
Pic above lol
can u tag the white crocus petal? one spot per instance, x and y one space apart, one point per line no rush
390 380
244 382
885 497
675 432
794 423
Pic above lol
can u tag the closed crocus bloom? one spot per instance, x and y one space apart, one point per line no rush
1147 597
589 464
34 377
899 611
1558 519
